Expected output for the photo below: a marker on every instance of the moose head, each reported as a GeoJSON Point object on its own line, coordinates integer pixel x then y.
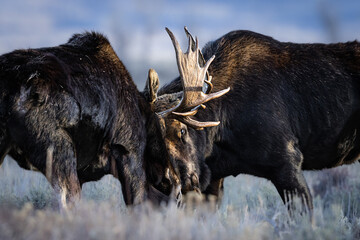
{"type": "Point", "coordinates": [183, 134]}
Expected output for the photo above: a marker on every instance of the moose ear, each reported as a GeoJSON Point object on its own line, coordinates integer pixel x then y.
{"type": "Point", "coordinates": [151, 86]}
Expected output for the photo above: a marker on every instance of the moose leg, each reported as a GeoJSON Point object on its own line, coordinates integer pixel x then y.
{"type": "Point", "coordinates": [53, 155]}
{"type": "Point", "coordinates": [288, 178]}
{"type": "Point", "coordinates": [131, 174]}
{"type": "Point", "coordinates": [215, 189]}
{"type": "Point", "coordinates": [290, 182]}
{"type": "Point", "coordinates": [61, 173]}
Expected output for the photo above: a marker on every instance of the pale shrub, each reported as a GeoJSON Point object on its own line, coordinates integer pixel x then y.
{"type": "Point", "coordinates": [251, 209]}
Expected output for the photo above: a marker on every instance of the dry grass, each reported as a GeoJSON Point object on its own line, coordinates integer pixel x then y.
{"type": "Point", "coordinates": [251, 209]}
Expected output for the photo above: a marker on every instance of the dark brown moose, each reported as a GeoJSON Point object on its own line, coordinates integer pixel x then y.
{"type": "Point", "coordinates": [291, 107]}
{"type": "Point", "coordinates": [73, 113]}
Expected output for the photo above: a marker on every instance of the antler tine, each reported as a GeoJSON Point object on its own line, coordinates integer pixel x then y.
{"type": "Point", "coordinates": [207, 64]}
{"type": "Point", "coordinates": [188, 34]}
{"type": "Point", "coordinates": [196, 124]}
{"type": "Point", "coordinates": [174, 41]}
{"type": "Point", "coordinates": [192, 44]}
{"type": "Point", "coordinates": [197, 50]}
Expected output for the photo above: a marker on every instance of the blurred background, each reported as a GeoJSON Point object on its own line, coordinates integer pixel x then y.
{"type": "Point", "coordinates": [136, 28]}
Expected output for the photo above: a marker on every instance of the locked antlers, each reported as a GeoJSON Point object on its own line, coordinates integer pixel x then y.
{"type": "Point", "coordinates": [193, 78]}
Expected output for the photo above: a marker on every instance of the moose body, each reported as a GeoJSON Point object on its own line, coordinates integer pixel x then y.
{"type": "Point", "coordinates": [74, 113]}
{"type": "Point", "coordinates": [291, 107]}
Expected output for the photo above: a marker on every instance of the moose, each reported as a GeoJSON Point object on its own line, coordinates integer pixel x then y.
{"type": "Point", "coordinates": [291, 107]}
{"type": "Point", "coordinates": [73, 113]}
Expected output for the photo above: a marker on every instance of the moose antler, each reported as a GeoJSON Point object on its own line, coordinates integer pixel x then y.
{"type": "Point", "coordinates": [192, 77]}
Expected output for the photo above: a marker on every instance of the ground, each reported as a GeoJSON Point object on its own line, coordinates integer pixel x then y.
{"type": "Point", "coordinates": [251, 209]}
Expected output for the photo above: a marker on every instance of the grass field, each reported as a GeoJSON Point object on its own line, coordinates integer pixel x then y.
{"type": "Point", "coordinates": [251, 209]}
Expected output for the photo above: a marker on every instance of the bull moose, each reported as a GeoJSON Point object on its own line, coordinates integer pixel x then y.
{"type": "Point", "coordinates": [291, 107]}
{"type": "Point", "coordinates": [73, 113]}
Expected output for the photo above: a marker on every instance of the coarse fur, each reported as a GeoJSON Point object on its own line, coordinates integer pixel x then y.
{"type": "Point", "coordinates": [291, 107]}
{"type": "Point", "coordinates": [74, 113]}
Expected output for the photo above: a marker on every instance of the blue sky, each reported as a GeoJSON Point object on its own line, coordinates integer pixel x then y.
{"type": "Point", "coordinates": [136, 28]}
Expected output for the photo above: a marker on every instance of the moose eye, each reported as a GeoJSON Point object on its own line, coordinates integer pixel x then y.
{"type": "Point", "coordinates": [182, 132]}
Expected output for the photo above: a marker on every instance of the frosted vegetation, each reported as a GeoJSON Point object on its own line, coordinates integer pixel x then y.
{"type": "Point", "coordinates": [251, 209]}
